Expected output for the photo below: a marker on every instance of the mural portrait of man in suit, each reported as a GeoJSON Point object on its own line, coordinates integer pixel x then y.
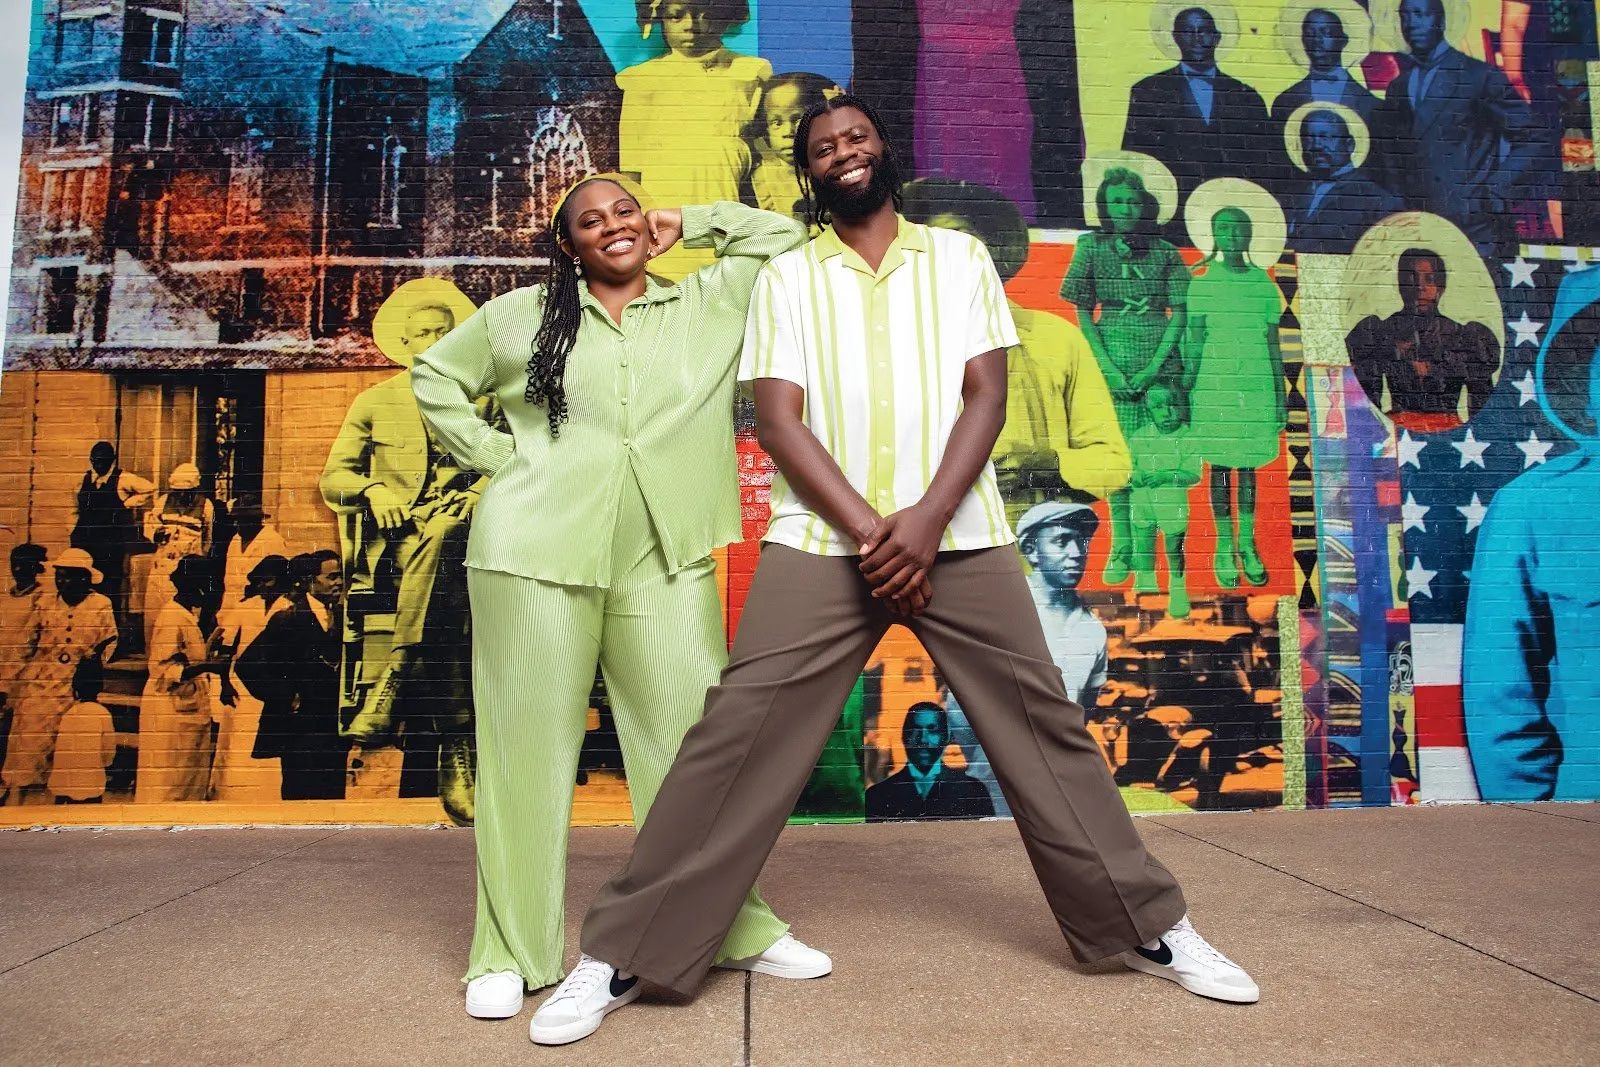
{"type": "Point", "coordinates": [1332, 200]}
{"type": "Point", "coordinates": [1199, 121]}
{"type": "Point", "coordinates": [1324, 39]}
{"type": "Point", "coordinates": [1452, 137]}
{"type": "Point", "coordinates": [925, 788]}
{"type": "Point", "coordinates": [293, 669]}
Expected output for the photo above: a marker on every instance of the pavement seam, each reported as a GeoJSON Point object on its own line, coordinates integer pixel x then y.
{"type": "Point", "coordinates": [1384, 911]}
{"type": "Point", "coordinates": [1552, 814]}
{"type": "Point", "coordinates": [164, 903]}
{"type": "Point", "coordinates": [749, 979]}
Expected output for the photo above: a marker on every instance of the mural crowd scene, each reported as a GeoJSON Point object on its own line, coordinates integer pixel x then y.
{"type": "Point", "coordinates": [1298, 429]}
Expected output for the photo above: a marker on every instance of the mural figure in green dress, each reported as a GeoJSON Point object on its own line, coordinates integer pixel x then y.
{"type": "Point", "coordinates": [1165, 467]}
{"type": "Point", "coordinates": [1233, 373]}
{"type": "Point", "coordinates": [1130, 288]}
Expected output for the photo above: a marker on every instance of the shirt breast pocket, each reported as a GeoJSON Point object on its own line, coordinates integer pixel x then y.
{"type": "Point", "coordinates": [389, 440]}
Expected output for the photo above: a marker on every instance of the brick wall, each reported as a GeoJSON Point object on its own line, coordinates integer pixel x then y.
{"type": "Point", "coordinates": [1367, 470]}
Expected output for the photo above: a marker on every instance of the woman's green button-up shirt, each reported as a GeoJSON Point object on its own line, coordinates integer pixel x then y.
{"type": "Point", "coordinates": [653, 396]}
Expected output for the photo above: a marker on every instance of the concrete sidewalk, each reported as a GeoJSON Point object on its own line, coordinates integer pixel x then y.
{"type": "Point", "coordinates": [1432, 935]}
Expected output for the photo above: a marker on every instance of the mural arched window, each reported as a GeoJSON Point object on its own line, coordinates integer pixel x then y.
{"type": "Point", "coordinates": [557, 157]}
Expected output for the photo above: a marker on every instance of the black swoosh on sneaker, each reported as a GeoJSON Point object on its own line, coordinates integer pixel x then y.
{"type": "Point", "coordinates": [620, 985]}
{"type": "Point", "coordinates": [1161, 955]}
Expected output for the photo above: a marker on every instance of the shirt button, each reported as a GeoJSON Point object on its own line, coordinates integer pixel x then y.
{"type": "Point", "coordinates": [883, 403]}
{"type": "Point", "coordinates": [624, 363]}
{"type": "Point", "coordinates": [626, 443]}
{"type": "Point", "coordinates": [884, 449]}
{"type": "Point", "coordinates": [624, 401]}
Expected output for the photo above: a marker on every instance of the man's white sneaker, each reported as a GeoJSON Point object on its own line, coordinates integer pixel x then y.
{"type": "Point", "coordinates": [581, 1002]}
{"type": "Point", "coordinates": [1181, 955]}
{"type": "Point", "coordinates": [495, 996]}
{"type": "Point", "coordinates": [787, 958]}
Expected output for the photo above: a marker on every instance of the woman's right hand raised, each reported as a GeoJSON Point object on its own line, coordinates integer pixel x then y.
{"type": "Point", "coordinates": [666, 229]}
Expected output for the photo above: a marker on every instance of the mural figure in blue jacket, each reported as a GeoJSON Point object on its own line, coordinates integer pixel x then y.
{"type": "Point", "coordinates": [1531, 650]}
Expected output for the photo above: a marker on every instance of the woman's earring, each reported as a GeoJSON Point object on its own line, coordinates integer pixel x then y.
{"type": "Point", "coordinates": [577, 266]}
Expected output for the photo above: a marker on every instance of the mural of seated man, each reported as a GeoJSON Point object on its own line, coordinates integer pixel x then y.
{"type": "Point", "coordinates": [1422, 361]}
{"type": "Point", "coordinates": [414, 504]}
{"type": "Point", "coordinates": [925, 788]}
{"type": "Point", "coordinates": [1331, 200]}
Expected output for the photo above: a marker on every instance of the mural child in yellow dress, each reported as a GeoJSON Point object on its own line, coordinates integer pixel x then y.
{"type": "Point", "coordinates": [710, 93]}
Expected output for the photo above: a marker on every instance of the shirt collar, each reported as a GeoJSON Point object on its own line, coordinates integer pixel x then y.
{"type": "Point", "coordinates": [656, 291]}
{"type": "Point", "coordinates": [910, 237]}
{"type": "Point", "coordinates": [1196, 72]}
{"type": "Point", "coordinates": [924, 782]}
{"type": "Point", "coordinates": [1337, 74]}
{"type": "Point", "coordinates": [1432, 58]}
{"type": "Point", "coordinates": [1344, 172]}
{"type": "Point", "coordinates": [320, 610]}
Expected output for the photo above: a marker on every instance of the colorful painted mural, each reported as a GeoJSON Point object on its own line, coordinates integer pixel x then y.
{"type": "Point", "coordinates": [1298, 432]}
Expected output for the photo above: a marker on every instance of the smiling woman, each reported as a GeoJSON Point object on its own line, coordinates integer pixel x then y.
{"type": "Point", "coordinates": [592, 540]}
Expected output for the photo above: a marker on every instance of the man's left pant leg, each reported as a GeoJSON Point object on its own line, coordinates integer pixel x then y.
{"type": "Point", "coordinates": [419, 557]}
{"type": "Point", "coordinates": [1107, 893]}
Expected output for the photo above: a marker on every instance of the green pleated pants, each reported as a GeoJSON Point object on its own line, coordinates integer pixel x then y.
{"type": "Point", "coordinates": [659, 641]}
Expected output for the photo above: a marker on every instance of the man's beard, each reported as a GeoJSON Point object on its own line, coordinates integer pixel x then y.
{"type": "Point", "coordinates": [846, 204]}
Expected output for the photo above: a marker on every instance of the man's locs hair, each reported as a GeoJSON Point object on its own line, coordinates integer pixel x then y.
{"type": "Point", "coordinates": [558, 325]}
{"type": "Point", "coordinates": [888, 167]}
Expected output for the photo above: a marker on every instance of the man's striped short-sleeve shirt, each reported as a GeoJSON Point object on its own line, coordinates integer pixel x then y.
{"type": "Point", "coordinates": [881, 356]}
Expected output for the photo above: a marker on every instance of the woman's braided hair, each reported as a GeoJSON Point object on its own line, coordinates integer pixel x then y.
{"type": "Point", "coordinates": [558, 326]}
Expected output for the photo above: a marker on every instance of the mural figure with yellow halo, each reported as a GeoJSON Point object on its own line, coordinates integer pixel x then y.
{"type": "Point", "coordinates": [1130, 289]}
{"type": "Point", "coordinates": [1233, 367]}
{"type": "Point", "coordinates": [1330, 34]}
{"type": "Point", "coordinates": [1333, 200]}
{"type": "Point", "coordinates": [1424, 324]}
{"type": "Point", "coordinates": [405, 505]}
{"type": "Point", "coordinates": [1194, 117]}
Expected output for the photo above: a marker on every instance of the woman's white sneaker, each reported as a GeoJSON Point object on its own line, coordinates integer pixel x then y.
{"type": "Point", "coordinates": [787, 958]}
{"type": "Point", "coordinates": [495, 996]}
{"type": "Point", "coordinates": [581, 1002]}
{"type": "Point", "coordinates": [1181, 955]}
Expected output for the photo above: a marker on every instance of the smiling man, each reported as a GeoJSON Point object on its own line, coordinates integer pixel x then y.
{"type": "Point", "coordinates": [877, 353]}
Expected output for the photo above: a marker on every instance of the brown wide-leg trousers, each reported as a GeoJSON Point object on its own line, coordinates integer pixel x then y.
{"type": "Point", "coordinates": [808, 626]}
